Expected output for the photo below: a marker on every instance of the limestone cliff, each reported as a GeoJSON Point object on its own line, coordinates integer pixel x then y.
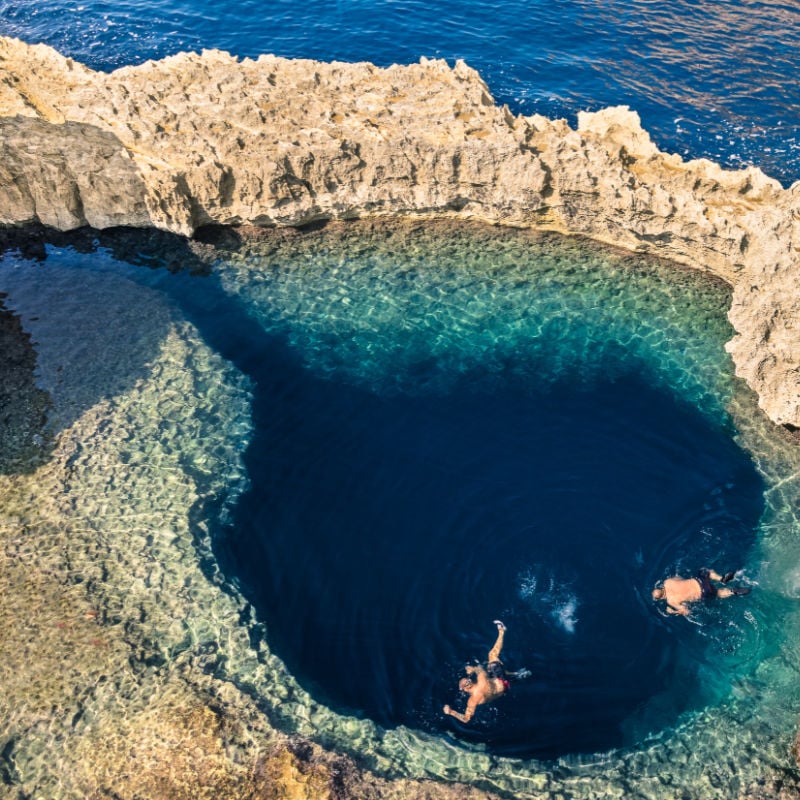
{"type": "Point", "coordinates": [199, 139]}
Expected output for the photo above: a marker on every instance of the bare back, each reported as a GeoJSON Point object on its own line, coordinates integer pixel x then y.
{"type": "Point", "coordinates": [487, 689]}
{"type": "Point", "coordinates": [678, 592]}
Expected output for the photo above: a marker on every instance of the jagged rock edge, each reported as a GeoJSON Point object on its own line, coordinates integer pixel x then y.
{"type": "Point", "coordinates": [198, 139]}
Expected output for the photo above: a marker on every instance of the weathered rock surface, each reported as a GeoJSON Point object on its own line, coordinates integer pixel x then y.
{"type": "Point", "coordinates": [199, 139]}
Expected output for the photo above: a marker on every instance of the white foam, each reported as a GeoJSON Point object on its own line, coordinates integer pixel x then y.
{"type": "Point", "coordinates": [556, 603]}
{"type": "Point", "coordinates": [565, 615]}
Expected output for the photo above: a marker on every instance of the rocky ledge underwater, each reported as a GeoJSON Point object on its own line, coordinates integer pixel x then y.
{"type": "Point", "coordinates": [134, 667]}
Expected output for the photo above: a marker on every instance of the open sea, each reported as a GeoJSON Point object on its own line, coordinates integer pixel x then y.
{"type": "Point", "coordinates": [408, 431]}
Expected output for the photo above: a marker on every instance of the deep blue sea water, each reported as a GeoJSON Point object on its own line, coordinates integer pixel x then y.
{"type": "Point", "coordinates": [716, 79]}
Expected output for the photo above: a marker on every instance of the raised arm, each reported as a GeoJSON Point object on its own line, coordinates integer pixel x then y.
{"type": "Point", "coordinates": [469, 711]}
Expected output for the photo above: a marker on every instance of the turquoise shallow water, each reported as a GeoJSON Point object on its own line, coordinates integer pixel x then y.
{"type": "Point", "coordinates": [408, 311]}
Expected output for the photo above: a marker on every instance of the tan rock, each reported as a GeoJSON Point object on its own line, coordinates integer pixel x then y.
{"type": "Point", "coordinates": [204, 138]}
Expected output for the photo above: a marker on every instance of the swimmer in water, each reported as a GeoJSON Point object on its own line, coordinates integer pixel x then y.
{"type": "Point", "coordinates": [679, 592]}
{"type": "Point", "coordinates": [484, 685]}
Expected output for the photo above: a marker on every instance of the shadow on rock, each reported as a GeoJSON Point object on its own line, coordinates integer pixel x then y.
{"type": "Point", "coordinates": [71, 338]}
{"type": "Point", "coordinates": [23, 406]}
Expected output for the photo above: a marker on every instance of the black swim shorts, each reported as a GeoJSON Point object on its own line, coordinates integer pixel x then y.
{"type": "Point", "coordinates": [495, 669]}
{"type": "Point", "coordinates": [707, 589]}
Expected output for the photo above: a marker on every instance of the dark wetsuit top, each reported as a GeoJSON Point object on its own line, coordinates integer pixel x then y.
{"type": "Point", "coordinates": [707, 589]}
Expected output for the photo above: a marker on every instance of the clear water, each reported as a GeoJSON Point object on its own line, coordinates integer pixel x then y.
{"type": "Point", "coordinates": [453, 440]}
{"type": "Point", "coordinates": [714, 79]}
{"type": "Point", "coordinates": [385, 436]}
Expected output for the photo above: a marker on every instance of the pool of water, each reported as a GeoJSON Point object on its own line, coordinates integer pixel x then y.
{"type": "Point", "coordinates": [382, 535]}
{"type": "Point", "coordinates": [397, 433]}
{"type": "Point", "coordinates": [432, 474]}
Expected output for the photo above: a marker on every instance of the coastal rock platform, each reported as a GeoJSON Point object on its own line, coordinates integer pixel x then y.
{"type": "Point", "coordinates": [199, 139]}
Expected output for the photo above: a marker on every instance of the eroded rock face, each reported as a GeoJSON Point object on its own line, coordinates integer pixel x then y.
{"type": "Point", "coordinates": [198, 139]}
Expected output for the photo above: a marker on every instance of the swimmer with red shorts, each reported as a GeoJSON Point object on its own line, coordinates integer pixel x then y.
{"type": "Point", "coordinates": [486, 684]}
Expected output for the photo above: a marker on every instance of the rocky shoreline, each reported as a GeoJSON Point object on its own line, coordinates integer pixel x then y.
{"type": "Point", "coordinates": [199, 139]}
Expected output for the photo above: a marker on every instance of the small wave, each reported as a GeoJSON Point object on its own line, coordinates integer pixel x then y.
{"type": "Point", "coordinates": [550, 598]}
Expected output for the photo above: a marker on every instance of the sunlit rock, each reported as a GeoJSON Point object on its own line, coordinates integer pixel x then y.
{"type": "Point", "coordinates": [199, 139]}
{"type": "Point", "coordinates": [204, 138]}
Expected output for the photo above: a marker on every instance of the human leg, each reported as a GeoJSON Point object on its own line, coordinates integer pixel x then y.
{"type": "Point", "coordinates": [494, 653]}
{"type": "Point", "coordinates": [715, 576]}
{"type": "Point", "coordinates": [734, 590]}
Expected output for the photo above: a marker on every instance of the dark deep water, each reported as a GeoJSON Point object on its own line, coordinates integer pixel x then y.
{"type": "Point", "coordinates": [410, 523]}
{"type": "Point", "coordinates": [450, 429]}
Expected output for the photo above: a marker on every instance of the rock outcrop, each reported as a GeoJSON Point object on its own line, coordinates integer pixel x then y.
{"type": "Point", "coordinates": [200, 139]}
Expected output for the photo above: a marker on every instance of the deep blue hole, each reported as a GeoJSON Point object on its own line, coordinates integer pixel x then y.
{"type": "Point", "coordinates": [382, 535]}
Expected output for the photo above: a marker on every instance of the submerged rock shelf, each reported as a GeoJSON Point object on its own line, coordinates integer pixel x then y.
{"type": "Point", "coordinates": [199, 139]}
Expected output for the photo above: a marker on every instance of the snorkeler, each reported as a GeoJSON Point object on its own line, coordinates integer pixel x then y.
{"type": "Point", "coordinates": [679, 592]}
{"type": "Point", "coordinates": [484, 685]}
